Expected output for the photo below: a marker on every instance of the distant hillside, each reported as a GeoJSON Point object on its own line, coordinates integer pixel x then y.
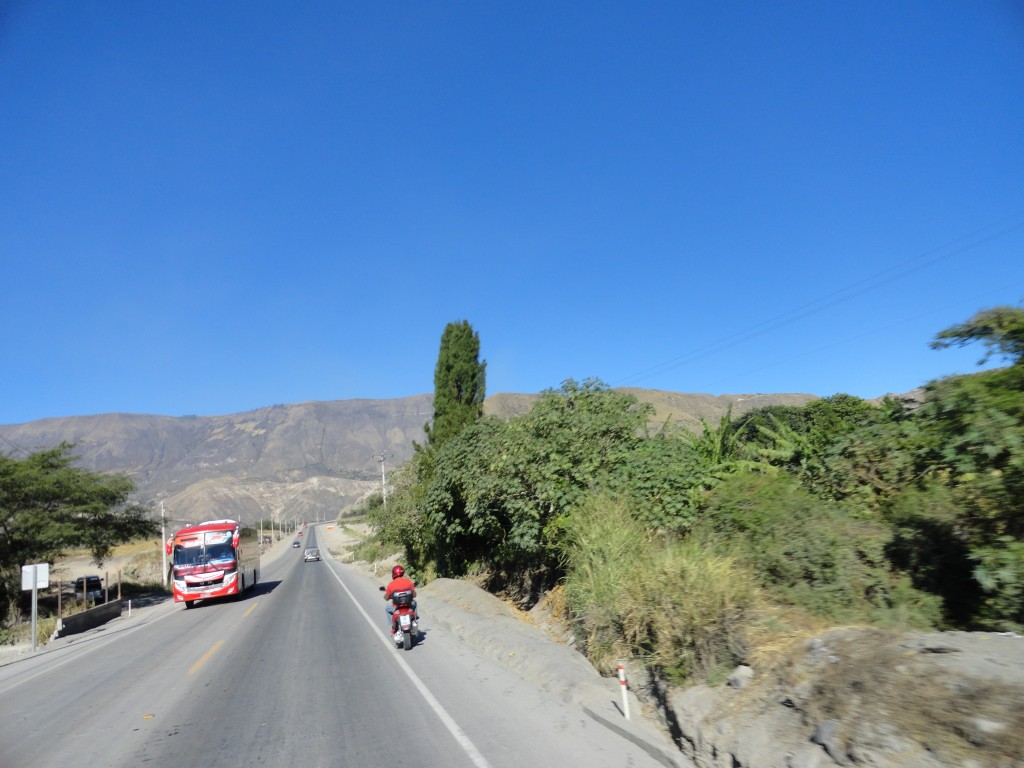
{"type": "Point", "coordinates": [669, 407]}
{"type": "Point", "coordinates": [298, 461]}
{"type": "Point", "coordinates": [285, 461]}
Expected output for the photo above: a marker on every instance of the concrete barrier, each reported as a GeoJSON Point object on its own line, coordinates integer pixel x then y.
{"type": "Point", "coordinates": [90, 618]}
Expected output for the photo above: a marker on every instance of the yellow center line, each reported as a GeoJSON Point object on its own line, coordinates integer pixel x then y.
{"type": "Point", "coordinates": [205, 658]}
{"type": "Point", "coordinates": [251, 609]}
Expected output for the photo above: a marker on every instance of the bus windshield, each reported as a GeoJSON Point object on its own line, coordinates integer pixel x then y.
{"type": "Point", "coordinates": [219, 552]}
{"type": "Point", "coordinates": [215, 547]}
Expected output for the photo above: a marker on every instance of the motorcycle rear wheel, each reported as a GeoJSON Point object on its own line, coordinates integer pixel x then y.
{"type": "Point", "coordinates": [407, 640]}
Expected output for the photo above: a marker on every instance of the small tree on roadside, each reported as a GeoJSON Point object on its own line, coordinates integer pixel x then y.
{"type": "Point", "coordinates": [48, 506]}
{"type": "Point", "coordinates": [459, 383]}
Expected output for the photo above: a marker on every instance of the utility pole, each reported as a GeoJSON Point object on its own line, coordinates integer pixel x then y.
{"type": "Point", "coordinates": [383, 477]}
{"type": "Point", "coordinates": [163, 545]}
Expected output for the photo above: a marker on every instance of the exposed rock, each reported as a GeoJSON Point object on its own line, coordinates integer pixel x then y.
{"type": "Point", "coordinates": [740, 677]}
{"type": "Point", "coordinates": [862, 697]}
{"type": "Point", "coordinates": [826, 735]}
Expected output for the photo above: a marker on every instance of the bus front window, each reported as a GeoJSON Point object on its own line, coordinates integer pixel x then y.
{"type": "Point", "coordinates": [220, 552]}
{"type": "Point", "coordinates": [187, 555]}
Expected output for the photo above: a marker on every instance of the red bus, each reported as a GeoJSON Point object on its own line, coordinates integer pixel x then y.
{"type": "Point", "coordinates": [218, 558]}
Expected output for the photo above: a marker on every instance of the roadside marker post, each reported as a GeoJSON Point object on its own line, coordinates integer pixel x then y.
{"type": "Point", "coordinates": [625, 691]}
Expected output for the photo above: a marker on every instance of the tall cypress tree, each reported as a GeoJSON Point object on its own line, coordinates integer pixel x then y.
{"type": "Point", "coordinates": [459, 380]}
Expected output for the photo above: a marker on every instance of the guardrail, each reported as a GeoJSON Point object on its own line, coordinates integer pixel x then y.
{"type": "Point", "coordinates": [89, 619]}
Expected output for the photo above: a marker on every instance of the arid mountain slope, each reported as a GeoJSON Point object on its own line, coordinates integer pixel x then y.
{"type": "Point", "coordinates": [286, 461]}
{"type": "Point", "coordinates": [291, 462]}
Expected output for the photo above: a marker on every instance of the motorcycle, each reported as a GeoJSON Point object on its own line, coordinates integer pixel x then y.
{"type": "Point", "coordinates": [405, 628]}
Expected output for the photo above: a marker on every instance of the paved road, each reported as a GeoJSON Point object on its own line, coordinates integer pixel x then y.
{"type": "Point", "coordinates": [298, 672]}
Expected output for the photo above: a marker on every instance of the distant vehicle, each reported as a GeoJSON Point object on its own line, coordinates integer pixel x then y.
{"type": "Point", "coordinates": [311, 553]}
{"type": "Point", "coordinates": [295, 545]}
{"type": "Point", "coordinates": [89, 588]}
{"type": "Point", "coordinates": [300, 533]}
{"type": "Point", "coordinates": [218, 558]}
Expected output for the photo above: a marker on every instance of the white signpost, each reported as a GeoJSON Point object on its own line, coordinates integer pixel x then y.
{"type": "Point", "coordinates": [35, 577]}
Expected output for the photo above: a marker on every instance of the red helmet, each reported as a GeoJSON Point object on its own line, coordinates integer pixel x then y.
{"type": "Point", "coordinates": [397, 571]}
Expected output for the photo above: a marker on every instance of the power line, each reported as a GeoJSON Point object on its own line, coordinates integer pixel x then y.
{"type": "Point", "coordinates": [898, 271]}
{"type": "Point", "coordinates": [837, 343]}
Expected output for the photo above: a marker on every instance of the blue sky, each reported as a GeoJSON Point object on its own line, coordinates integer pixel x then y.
{"type": "Point", "coordinates": [207, 208]}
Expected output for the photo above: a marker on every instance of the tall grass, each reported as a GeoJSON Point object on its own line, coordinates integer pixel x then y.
{"type": "Point", "coordinates": [669, 602]}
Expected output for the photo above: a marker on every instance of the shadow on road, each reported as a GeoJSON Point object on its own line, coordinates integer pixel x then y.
{"type": "Point", "coordinates": [259, 590]}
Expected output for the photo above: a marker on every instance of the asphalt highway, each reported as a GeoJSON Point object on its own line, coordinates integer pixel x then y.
{"type": "Point", "coordinates": [298, 672]}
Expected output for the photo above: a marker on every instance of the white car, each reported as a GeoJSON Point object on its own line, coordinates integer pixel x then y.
{"type": "Point", "coordinates": [311, 553]}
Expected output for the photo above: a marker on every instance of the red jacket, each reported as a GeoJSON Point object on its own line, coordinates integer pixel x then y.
{"type": "Point", "coordinates": [401, 584]}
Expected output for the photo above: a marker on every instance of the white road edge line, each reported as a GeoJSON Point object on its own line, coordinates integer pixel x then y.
{"type": "Point", "coordinates": [460, 736]}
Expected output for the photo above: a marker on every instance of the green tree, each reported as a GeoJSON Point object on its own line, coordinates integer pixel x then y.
{"type": "Point", "coordinates": [800, 440]}
{"type": "Point", "coordinates": [499, 490]}
{"type": "Point", "coordinates": [48, 506]}
{"type": "Point", "coordinates": [1000, 329]}
{"type": "Point", "coordinates": [459, 383]}
{"type": "Point", "coordinates": [979, 421]}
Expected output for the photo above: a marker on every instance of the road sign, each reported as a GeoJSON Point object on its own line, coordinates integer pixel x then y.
{"type": "Point", "coordinates": [33, 578]}
{"type": "Point", "coordinates": [42, 576]}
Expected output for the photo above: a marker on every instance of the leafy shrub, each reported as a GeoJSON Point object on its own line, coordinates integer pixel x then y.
{"type": "Point", "coordinates": [400, 524]}
{"type": "Point", "coordinates": [809, 552]}
{"type": "Point", "coordinates": [1000, 572]}
{"type": "Point", "coordinates": [662, 478]}
{"type": "Point", "coordinates": [929, 545]}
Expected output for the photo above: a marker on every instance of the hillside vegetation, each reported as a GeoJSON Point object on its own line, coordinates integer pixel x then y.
{"type": "Point", "coordinates": [689, 549]}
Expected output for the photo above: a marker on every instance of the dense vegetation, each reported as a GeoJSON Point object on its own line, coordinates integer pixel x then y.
{"type": "Point", "coordinates": [679, 548]}
{"type": "Point", "coordinates": [48, 506]}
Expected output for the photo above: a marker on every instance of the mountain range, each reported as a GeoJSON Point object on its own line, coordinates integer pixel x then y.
{"type": "Point", "coordinates": [305, 461]}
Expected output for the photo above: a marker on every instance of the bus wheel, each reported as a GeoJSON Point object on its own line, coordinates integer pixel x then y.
{"type": "Point", "coordinates": [190, 604]}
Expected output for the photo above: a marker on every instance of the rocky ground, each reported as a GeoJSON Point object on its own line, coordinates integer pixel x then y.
{"type": "Point", "coordinates": [854, 697]}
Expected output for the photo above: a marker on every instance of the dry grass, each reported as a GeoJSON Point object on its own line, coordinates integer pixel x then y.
{"type": "Point", "coordinates": [688, 608]}
{"type": "Point", "coordinates": [868, 683]}
{"type": "Point", "coordinates": [121, 551]}
{"type": "Point", "coordinates": [774, 630]}
{"type": "Point", "coordinates": [674, 604]}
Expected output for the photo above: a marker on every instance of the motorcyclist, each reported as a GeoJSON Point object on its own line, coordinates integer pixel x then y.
{"type": "Point", "coordinates": [399, 583]}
